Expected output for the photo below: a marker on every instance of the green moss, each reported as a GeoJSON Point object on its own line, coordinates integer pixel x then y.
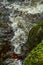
{"type": "Point", "coordinates": [36, 56]}
{"type": "Point", "coordinates": [35, 34]}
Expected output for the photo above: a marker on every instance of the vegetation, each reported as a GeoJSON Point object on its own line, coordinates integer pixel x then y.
{"type": "Point", "coordinates": [36, 56]}
{"type": "Point", "coordinates": [35, 35]}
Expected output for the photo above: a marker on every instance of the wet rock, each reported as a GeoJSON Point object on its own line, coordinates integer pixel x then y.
{"type": "Point", "coordinates": [6, 34]}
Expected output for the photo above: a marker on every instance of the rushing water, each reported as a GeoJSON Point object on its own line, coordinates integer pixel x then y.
{"type": "Point", "coordinates": [20, 36]}
{"type": "Point", "coordinates": [28, 9]}
{"type": "Point", "coordinates": [20, 33]}
{"type": "Point", "coordinates": [5, 2]}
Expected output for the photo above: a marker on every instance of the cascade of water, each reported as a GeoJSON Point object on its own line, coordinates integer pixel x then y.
{"type": "Point", "coordinates": [19, 34]}
{"type": "Point", "coordinates": [26, 1]}
{"type": "Point", "coordinates": [12, 14]}
{"type": "Point", "coordinates": [4, 2]}
{"type": "Point", "coordinates": [30, 2]}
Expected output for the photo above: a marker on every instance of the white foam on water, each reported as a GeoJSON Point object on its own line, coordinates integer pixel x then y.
{"type": "Point", "coordinates": [19, 34]}
{"type": "Point", "coordinates": [31, 10]}
{"type": "Point", "coordinates": [5, 2]}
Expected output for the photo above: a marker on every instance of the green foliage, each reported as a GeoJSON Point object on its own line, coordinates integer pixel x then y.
{"type": "Point", "coordinates": [36, 56]}
{"type": "Point", "coordinates": [35, 35]}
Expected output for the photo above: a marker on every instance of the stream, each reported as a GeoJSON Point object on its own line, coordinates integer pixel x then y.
{"type": "Point", "coordinates": [20, 27]}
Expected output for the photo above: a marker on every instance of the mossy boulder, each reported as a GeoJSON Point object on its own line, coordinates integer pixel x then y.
{"type": "Point", "coordinates": [35, 35]}
{"type": "Point", "coordinates": [36, 56]}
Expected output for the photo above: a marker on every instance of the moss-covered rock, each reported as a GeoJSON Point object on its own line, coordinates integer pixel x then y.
{"type": "Point", "coordinates": [36, 56]}
{"type": "Point", "coordinates": [34, 38]}
{"type": "Point", "coordinates": [35, 35]}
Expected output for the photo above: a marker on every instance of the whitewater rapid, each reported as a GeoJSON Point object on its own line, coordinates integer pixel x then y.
{"type": "Point", "coordinates": [27, 9]}
{"type": "Point", "coordinates": [20, 36]}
